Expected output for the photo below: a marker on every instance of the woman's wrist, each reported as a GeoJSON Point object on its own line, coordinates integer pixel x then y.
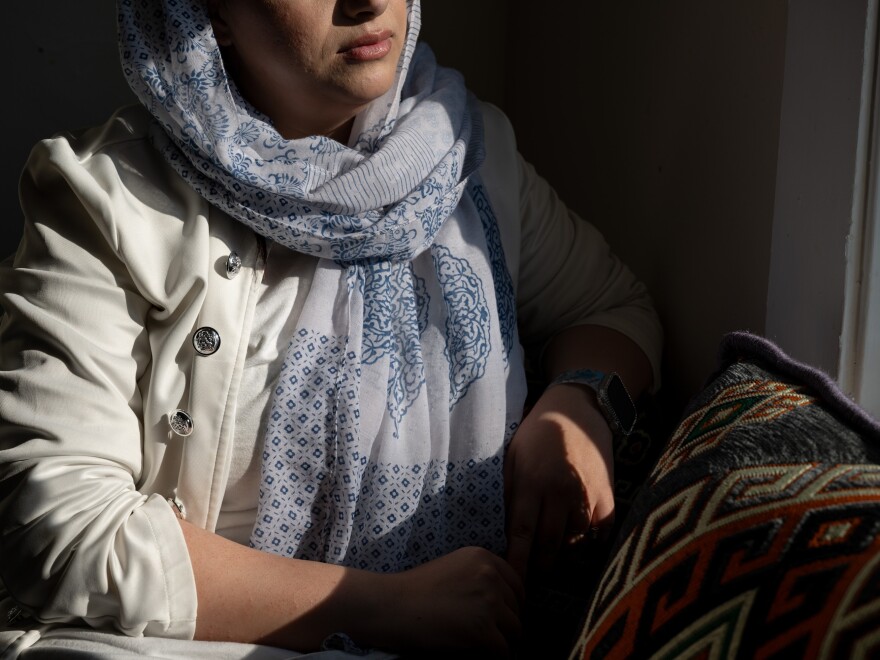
{"type": "Point", "coordinates": [377, 595]}
{"type": "Point", "coordinates": [359, 609]}
{"type": "Point", "coordinates": [577, 404]}
{"type": "Point", "coordinates": [387, 593]}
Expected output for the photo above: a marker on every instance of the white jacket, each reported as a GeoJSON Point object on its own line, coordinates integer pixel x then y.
{"type": "Point", "coordinates": [120, 263]}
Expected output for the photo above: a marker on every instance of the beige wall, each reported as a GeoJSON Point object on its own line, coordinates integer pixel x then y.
{"type": "Point", "coordinates": [659, 121]}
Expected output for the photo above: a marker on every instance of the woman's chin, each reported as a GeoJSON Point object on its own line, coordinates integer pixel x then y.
{"type": "Point", "coordinates": [359, 93]}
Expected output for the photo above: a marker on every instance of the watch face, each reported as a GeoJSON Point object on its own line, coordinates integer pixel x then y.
{"type": "Point", "coordinates": [614, 396]}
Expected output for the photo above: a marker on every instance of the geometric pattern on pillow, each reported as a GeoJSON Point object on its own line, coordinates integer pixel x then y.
{"type": "Point", "coordinates": [791, 550]}
{"type": "Point", "coordinates": [749, 402]}
{"type": "Point", "coordinates": [757, 534]}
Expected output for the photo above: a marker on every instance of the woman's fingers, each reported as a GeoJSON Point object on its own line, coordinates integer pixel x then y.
{"type": "Point", "coordinates": [579, 526]}
{"type": "Point", "coordinates": [602, 520]}
{"type": "Point", "coordinates": [507, 618]}
{"type": "Point", "coordinates": [522, 522]}
{"type": "Point", "coordinates": [516, 591]}
{"type": "Point", "coordinates": [541, 519]}
{"type": "Point", "coordinates": [552, 527]}
{"type": "Point", "coordinates": [510, 627]}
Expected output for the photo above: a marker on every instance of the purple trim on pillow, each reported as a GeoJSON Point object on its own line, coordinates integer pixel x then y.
{"type": "Point", "coordinates": [738, 345]}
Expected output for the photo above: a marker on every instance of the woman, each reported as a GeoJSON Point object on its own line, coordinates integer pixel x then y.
{"type": "Point", "coordinates": [262, 367]}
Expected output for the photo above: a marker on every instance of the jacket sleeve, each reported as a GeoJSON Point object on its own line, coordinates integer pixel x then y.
{"type": "Point", "coordinates": [569, 276]}
{"type": "Point", "coordinates": [79, 541]}
{"type": "Point", "coordinates": [564, 272]}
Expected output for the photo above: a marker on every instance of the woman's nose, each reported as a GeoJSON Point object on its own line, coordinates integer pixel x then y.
{"type": "Point", "coordinates": [363, 10]}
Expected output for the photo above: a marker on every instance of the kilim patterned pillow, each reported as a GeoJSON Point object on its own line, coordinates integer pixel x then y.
{"type": "Point", "coordinates": [757, 534]}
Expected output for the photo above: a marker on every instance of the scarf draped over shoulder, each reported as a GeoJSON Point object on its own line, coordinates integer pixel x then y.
{"type": "Point", "coordinates": [403, 380]}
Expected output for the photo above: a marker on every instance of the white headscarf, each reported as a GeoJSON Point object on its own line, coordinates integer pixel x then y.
{"type": "Point", "coordinates": [403, 380]}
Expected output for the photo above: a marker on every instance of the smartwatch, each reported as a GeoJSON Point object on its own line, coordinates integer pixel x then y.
{"type": "Point", "coordinates": [615, 403]}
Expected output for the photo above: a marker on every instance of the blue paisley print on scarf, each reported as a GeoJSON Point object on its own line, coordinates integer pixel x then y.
{"type": "Point", "coordinates": [403, 381]}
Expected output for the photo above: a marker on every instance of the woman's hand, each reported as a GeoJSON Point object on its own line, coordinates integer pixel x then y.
{"type": "Point", "coordinates": [469, 599]}
{"type": "Point", "coordinates": [558, 477]}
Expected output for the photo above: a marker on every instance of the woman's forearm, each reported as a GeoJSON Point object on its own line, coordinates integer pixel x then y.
{"type": "Point", "coordinates": [601, 348]}
{"type": "Point", "coordinates": [468, 599]}
{"type": "Point", "coordinates": [245, 595]}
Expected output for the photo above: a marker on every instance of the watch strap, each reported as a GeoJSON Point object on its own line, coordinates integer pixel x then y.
{"type": "Point", "coordinates": [619, 410]}
{"type": "Point", "coordinates": [590, 377]}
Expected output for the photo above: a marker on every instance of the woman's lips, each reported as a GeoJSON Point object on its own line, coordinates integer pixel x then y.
{"type": "Point", "coordinates": [372, 46]}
